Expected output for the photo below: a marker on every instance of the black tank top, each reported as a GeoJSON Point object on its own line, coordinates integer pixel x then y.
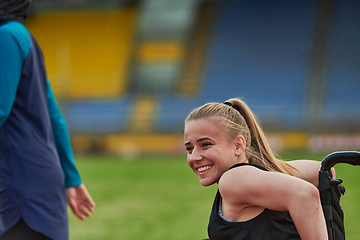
{"type": "Point", "coordinates": [269, 225]}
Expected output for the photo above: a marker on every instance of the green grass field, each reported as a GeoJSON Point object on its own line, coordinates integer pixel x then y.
{"type": "Point", "coordinates": [159, 197]}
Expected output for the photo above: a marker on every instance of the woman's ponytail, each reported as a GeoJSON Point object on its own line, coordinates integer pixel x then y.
{"type": "Point", "coordinates": [259, 152]}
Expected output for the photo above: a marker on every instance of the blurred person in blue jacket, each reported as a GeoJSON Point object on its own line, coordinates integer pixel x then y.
{"type": "Point", "coordinates": [38, 176]}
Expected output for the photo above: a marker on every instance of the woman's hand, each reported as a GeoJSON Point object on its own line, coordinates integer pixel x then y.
{"type": "Point", "coordinates": [79, 200]}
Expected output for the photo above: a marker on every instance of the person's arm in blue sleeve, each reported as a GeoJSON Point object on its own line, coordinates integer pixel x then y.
{"type": "Point", "coordinates": [77, 195]}
{"type": "Point", "coordinates": [14, 49]}
{"type": "Point", "coordinates": [62, 141]}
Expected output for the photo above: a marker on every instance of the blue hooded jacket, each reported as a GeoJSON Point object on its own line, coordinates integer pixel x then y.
{"type": "Point", "coordinates": [36, 159]}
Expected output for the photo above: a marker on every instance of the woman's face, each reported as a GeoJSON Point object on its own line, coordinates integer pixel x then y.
{"type": "Point", "coordinates": [209, 151]}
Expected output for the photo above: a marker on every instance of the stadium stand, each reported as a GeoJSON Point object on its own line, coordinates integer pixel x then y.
{"type": "Point", "coordinates": [342, 99]}
{"type": "Point", "coordinates": [259, 51]}
{"type": "Point", "coordinates": [87, 63]}
{"type": "Point", "coordinates": [265, 52]}
{"type": "Point", "coordinates": [172, 112]}
{"type": "Point", "coordinates": [86, 52]}
{"type": "Point", "coordinates": [95, 116]}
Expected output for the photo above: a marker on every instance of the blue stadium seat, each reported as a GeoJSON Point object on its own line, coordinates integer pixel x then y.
{"type": "Point", "coordinates": [342, 96]}
{"type": "Point", "coordinates": [94, 116]}
{"type": "Point", "coordinates": [172, 113]}
{"type": "Point", "coordinates": [258, 51]}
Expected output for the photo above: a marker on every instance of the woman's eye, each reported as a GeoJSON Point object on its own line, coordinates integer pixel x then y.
{"type": "Point", "coordinates": [206, 145]}
{"type": "Point", "coordinates": [189, 149]}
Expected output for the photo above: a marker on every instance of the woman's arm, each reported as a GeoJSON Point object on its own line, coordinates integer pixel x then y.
{"type": "Point", "coordinates": [248, 186]}
{"type": "Point", "coordinates": [77, 195]}
{"type": "Point", "coordinates": [62, 141]}
{"type": "Point", "coordinates": [309, 170]}
{"type": "Point", "coordinates": [14, 49]}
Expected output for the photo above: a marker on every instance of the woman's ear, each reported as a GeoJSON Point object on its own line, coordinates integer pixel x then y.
{"type": "Point", "coordinates": [240, 145]}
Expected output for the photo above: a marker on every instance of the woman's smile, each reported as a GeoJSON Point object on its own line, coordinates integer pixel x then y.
{"type": "Point", "coordinates": [204, 169]}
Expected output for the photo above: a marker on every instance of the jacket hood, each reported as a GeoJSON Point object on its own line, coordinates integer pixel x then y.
{"type": "Point", "coordinates": [14, 10]}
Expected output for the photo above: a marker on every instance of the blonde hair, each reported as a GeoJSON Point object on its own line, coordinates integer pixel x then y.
{"type": "Point", "coordinates": [238, 119]}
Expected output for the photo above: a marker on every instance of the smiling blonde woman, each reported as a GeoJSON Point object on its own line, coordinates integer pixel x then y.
{"type": "Point", "coordinates": [259, 196]}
